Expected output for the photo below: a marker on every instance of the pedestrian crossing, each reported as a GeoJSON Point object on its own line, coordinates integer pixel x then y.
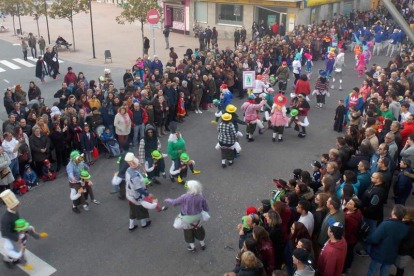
{"type": "Point", "coordinates": [18, 63]}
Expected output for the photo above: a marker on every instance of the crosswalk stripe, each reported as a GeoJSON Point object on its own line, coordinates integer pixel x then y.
{"type": "Point", "coordinates": [40, 267]}
{"type": "Point", "coordinates": [23, 62]}
{"type": "Point", "coordinates": [35, 59]}
{"type": "Point", "coordinates": [2, 70]}
{"type": "Point", "coordinates": [9, 64]}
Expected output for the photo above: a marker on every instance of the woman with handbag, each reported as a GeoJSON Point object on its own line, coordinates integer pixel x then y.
{"type": "Point", "coordinates": [25, 154]}
{"type": "Point", "coordinates": [6, 177]}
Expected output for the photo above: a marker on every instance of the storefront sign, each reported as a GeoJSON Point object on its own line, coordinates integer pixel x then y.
{"type": "Point", "coordinates": [310, 3]}
{"type": "Point", "coordinates": [255, 2]}
{"type": "Point", "coordinates": [178, 25]}
{"type": "Point", "coordinates": [291, 24]}
{"type": "Point", "coordinates": [248, 79]}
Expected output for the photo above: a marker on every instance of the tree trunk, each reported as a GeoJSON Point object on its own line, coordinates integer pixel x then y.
{"type": "Point", "coordinates": [20, 24]}
{"type": "Point", "coordinates": [142, 35]}
{"type": "Point", "coordinates": [14, 26]}
{"type": "Point", "coordinates": [73, 35]}
{"type": "Point", "coordinates": [38, 30]}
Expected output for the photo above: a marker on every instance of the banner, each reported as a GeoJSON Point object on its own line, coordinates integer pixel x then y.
{"type": "Point", "coordinates": [310, 3]}
{"type": "Point", "coordinates": [249, 78]}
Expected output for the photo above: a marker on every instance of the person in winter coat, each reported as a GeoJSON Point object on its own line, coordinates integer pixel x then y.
{"type": "Point", "coordinates": [40, 69]}
{"type": "Point", "coordinates": [25, 48]}
{"type": "Point", "coordinates": [40, 146]}
{"type": "Point", "coordinates": [303, 86]}
{"type": "Point", "coordinates": [250, 115]}
{"type": "Point", "coordinates": [385, 242]}
{"type": "Point", "coordinates": [122, 124]}
{"type": "Point", "coordinates": [34, 92]}
{"type": "Point", "coordinates": [70, 77]}
{"type": "Point", "coordinates": [353, 218]}
{"type": "Point", "coordinates": [161, 110]}
{"type": "Point", "coordinates": [146, 45]}
{"type": "Point", "coordinates": [354, 99]}
{"type": "Point", "coordinates": [331, 261]}
{"type": "Point", "coordinates": [282, 75]}
{"type": "Point", "coordinates": [265, 249]}
{"type": "Point", "coordinates": [156, 64]}
{"type": "Point", "coordinates": [406, 249]}
{"type": "Point", "coordinates": [403, 184]}
{"type": "Point", "coordinates": [107, 114]}
{"type": "Point", "coordinates": [88, 144]}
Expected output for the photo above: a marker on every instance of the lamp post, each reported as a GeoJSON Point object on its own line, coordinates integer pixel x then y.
{"type": "Point", "coordinates": [47, 23]}
{"type": "Point", "coordinates": [93, 40]}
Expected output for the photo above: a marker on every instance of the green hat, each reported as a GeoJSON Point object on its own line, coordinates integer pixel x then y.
{"type": "Point", "coordinates": [101, 78]}
{"type": "Point", "coordinates": [215, 100]}
{"type": "Point", "coordinates": [294, 112]}
{"type": "Point", "coordinates": [21, 225]}
{"type": "Point", "coordinates": [184, 157]}
{"type": "Point", "coordinates": [147, 181]}
{"type": "Point", "coordinates": [272, 79]}
{"type": "Point", "coordinates": [85, 175]}
{"type": "Point", "coordinates": [156, 154]}
{"type": "Point", "coordinates": [74, 154]}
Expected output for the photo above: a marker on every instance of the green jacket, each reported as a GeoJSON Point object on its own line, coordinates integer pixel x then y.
{"type": "Point", "coordinates": [388, 115]}
{"type": "Point", "coordinates": [174, 145]}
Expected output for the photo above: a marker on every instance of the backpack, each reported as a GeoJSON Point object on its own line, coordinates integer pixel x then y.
{"type": "Point", "coordinates": [363, 230]}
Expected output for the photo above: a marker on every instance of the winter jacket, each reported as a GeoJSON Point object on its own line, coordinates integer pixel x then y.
{"type": "Point", "coordinates": [282, 73]}
{"type": "Point", "coordinates": [95, 120]}
{"type": "Point", "coordinates": [70, 77]}
{"type": "Point", "coordinates": [107, 114]}
{"type": "Point", "coordinates": [144, 116]}
{"type": "Point", "coordinates": [323, 235]}
{"type": "Point", "coordinates": [88, 143]}
{"type": "Point", "coordinates": [352, 164]}
{"type": "Point", "coordinates": [403, 184]}
{"type": "Point", "coordinates": [364, 180]}
{"type": "Point", "coordinates": [352, 225]}
{"type": "Point", "coordinates": [267, 256]}
{"type": "Point", "coordinates": [302, 87]}
{"type": "Point", "coordinates": [156, 65]}
{"type": "Point", "coordinates": [407, 131]}
{"type": "Point", "coordinates": [38, 143]}
{"type": "Point", "coordinates": [331, 261]}
{"type": "Point", "coordinates": [307, 271]}
{"type": "Point", "coordinates": [407, 244]}
{"type": "Point", "coordinates": [354, 185]}
{"type": "Point", "coordinates": [386, 240]}
{"type": "Point", "coordinates": [373, 201]}
{"type": "Point", "coordinates": [121, 128]}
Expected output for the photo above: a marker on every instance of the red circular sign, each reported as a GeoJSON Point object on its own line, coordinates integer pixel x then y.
{"type": "Point", "coordinates": [153, 16]}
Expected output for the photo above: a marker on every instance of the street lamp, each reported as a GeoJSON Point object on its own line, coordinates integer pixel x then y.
{"type": "Point", "coordinates": [93, 40]}
{"type": "Point", "coordinates": [47, 23]}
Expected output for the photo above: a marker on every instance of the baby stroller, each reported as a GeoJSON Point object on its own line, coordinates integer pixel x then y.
{"type": "Point", "coordinates": [105, 143]}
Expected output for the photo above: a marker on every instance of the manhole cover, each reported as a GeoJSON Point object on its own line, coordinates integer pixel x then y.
{"type": "Point", "coordinates": [181, 46]}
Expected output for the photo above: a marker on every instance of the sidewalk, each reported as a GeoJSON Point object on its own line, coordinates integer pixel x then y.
{"type": "Point", "coordinates": [124, 41]}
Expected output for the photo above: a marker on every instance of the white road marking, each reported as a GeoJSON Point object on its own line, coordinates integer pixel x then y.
{"type": "Point", "coordinates": [2, 70]}
{"type": "Point", "coordinates": [17, 44]}
{"type": "Point", "coordinates": [25, 63]}
{"type": "Point", "coordinates": [40, 267]}
{"type": "Point", "coordinates": [6, 81]}
{"type": "Point", "coordinates": [9, 64]}
{"type": "Point", "coordinates": [35, 59]}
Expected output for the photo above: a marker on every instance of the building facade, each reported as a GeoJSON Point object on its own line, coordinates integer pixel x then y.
{"type": "Point", "coordinates": [228, 15]}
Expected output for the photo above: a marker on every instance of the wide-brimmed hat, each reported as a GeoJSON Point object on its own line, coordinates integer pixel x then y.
{"type": "Point", "coordinates": [322, 73]}
{"type": "Point", "coordinates": [85, 175]}
{"type": "Point", "coordinates": [21, 225]}
{"type": "Point", "coordinates": [9, 199]}
{"type": "Point", "coordinates": [231, 108]}
{"type": "Point", "coordinates": [279, 99]}
{"type": "Point", "coordinates": [74, 154]}
{"type": "Point", "coordinates": [156, 154]}
{"type": "Point", "coordinates": [294, 112]}
{"type": "Point", "coordinates": [280, 183]}
{"type": "Point", "coordinates": [226, 117]}
{"type": "Point", "coordinates": [184, 157]}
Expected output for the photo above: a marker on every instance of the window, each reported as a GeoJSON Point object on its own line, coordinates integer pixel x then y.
{"type": "Point", "coordinates": [178, 15]}
{"type": "Point", "coordinates": [201, 11]}
{"type": "Point", "coordinates": [229, 14]}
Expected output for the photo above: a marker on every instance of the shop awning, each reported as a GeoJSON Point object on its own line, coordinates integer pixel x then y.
{"type": "Point", "coordinates": [275, 3]}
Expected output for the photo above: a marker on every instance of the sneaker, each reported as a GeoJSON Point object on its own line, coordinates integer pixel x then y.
{"type": "Point", "coordinates": [132, 229]}
{"type": "Point", "coordinates": [223, 166]}
{"type": "Point", "coordinates": [179, 179]}
{"type": "Point", "coordinates": [147, 225]}
{"type": "Point", "coordinates": [196, 172]}
{"type": "Point", "coordinates": [362, 253]}
{"type": "Point", "coordinates": [189, 248]}
{"type": "Point", "coordinates": [214, 122]}
{"type": "Point", "coordinates": [199, 112]}
{"type": "Point", "coordinates": [164, 208]}
{"type": "Point", "coordinates": [250, 140]}
{"type": "Point", "coordinates": [76, 210]}
{"type": "Point", "coordinates": [86, 207]}
{"type": "Point", "coordinates": [164, 175]}
{"type": "Point", "coordinates": [261, 131]}
{"type": "Point", "coordinates": [280, 139]}
{"type": "Point", "coordinates": [230, 163]}
{"type": "Point", "coordinates": [203, 247]}
{"type": "Point", "coordinates": [172, 178]}
{"type": "Point", "coordinates": [96, 202]}
{"type": "Point", "coordinates": [121, 197]}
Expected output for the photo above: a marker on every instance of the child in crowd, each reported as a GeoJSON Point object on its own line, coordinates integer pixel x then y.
{"type": "Point", "coordinates": [30, 177]}
{"type": "Point", "coordinates": [110, 140]}
{"type": "Point", "coordinates": [249, 210]}
{"type": "Point", "coordinates": [181, 108]}
{"type": "Point", "coordinates": [316, 171]}
{"type": "Point", "coordinates": [19, 185]}
{"type": "Point", "coordinates": [280, 190]}
{"type": "Point", "coordinates": [324, 160]}
{"type": "Point", "coordinates": [339, 118]}
{"type": "Point", "coordinates": [48, 171]}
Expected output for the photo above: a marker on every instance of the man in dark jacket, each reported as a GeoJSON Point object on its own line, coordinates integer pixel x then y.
{"type": "Point", "coordinates": [386, 240]}
{"type": "Point", "coordinates": [403, 184]}
{"type": "Point", "coordinates": [123, 166]}
{"type": "Point", "coordinates": [207, 37]}
{"type": "Point", "coordinates": [171, 94]}
{"type": "Point", "coordinates": [63, 95]}
{"type": "Point", "coordinates": [363, 154]}
{"type": "Point", "coordinates": [146, 45]}
{"type": "Point", "coordinates": [166, 33]}
{"type": "Point", "coordinates": [95, 119]}
{"type": "Point", "coordinates": [32, 45]}
{"type": "Point", "coordinates": [47, 57]}
{"type": "Point", "coordinates": [107, 113]}
{"type": "Point", "coordinates": [344, 151]}
{"type": "Point", "coordinates": [19, 111]}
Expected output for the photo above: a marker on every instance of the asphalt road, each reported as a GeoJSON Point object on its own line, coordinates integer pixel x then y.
{"type": "Point", "coordinates": [98, 242]}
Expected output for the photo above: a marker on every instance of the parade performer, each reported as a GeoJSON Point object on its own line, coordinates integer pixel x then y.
{"type": "Point", "coordinates": [308, 65]}
{"type": "Point", "coordinates": [339, 64]}
{"type": "Point", "coordinates": [14, 251]}
{"type": "Point", "coordinates": [155, 165]}
{"type": "Point", "coordinates": [321, 89]}
{"type": "Point", "coordinates": [268, 106]}
{"type": "Point", "coordinates": [194, 211]}
{"type": "Point", "coordinates": [86, 185]}
{"type": "Point", "coordinates": [225, 99]}
{"type": "Point", "coordinates": [10, 216]}
{"type": "Point", "coordinates": [250, 116]}
{"type": "Point", "coordinates": [227, 139]}
{"type": "Point", "coordinates": [180, 170]}
{"type": "Point", "coordinates": [281, 187]}
{"type": "Point", "coordinates": [297, 66]}
{"type": "Point", "coordinates": [329, 61]}
{"type": "Point", "coordinates": [361, 65]}
{"type": "Point", "coordinates": [357, 52]}
{"type": "Point", "coordinates": [282, 76]}
{"type": "Point", "coordinates": [74, 168]}
{"type": "Point", "coordinates": [367, 52]}
{"type": "Point", "coordinates": [299, 115]}
{"type": "Point", "coordinates": [260, 87]}
{"type": "Point", "coordinates": [278, 116]}
{"type": "Point", "coordinates": [231, 109]}
{"type": "Point", "coordinates": [140, 201]}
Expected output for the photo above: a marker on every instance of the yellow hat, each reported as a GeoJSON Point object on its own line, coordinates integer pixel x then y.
{"type": "Point", "coordinates": [9, 199]}
{"type": "Point", "coordinates": [231, 108]}
{"type": "Point", "coordinates": [226, 117]}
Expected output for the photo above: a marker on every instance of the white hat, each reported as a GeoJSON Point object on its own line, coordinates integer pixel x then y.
{"type": "Point", "coordinates": [9, 199]}
{"type": "Point", "coordinates": [130, 157]}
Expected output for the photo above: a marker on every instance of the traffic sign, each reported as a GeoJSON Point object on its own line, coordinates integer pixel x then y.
{"type": "Point", "coordinates": [153, 16]}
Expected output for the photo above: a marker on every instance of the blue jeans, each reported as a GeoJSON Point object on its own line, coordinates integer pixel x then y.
{"type": "Point", "coordinates": [138, 133]}
{"type": "Point", "coordinates": [375, 266]}
{"type": "Point", "coordinates": [14, 166]}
